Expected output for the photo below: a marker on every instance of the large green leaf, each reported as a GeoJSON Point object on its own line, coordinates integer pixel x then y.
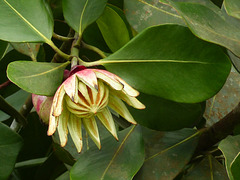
{"type": "Point", "coordinates": [210, 24]}
{"type": "Point", "coordinates": [230, 148]}
{"type": "Point", "coordinates": [3, 48]}
{"type": "Point", "coordinates": [166, 153]}
{"type": "Point", "coordinates": [208, 168]}
{"type": "Point", "coordinates": [81, 13]}
{"type": "Point", "coordinates": [164, 115]}
{"type": "Point", "coordinates": [115, 161]}
{"type": "Point", "coordinates": [113, 29]}
{"type": "Point", "coordinates": [145, 13]}
{"type": "Point", "coordinates": [232, 7]}
{"type": "Point", "coordinates": [25, 20]}
{"type": "Point", "coordinates": [10, 144]}
{"type": "Point", "coordinates": [170, 62]}
{"type": "Point", "coordinates": [35, 77]}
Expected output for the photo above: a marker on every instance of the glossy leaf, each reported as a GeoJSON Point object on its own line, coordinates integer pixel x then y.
{"type": "Point", "coordinates": [81, 13]}
{"type": "Point", "coordinates": [230, 148]}
{"type": "Point", "coordinates": [208, 168]}
{"type": "Point", "coordinates": [210, 24]}
{"type": "Point", "coordinates": [142, 14]}
{"type": "Point", "coordinates": [15, 103]}
{"type": "Point", "coordinates": [165, 115]}
{"type": "Point", "coordinates": [169, 62]}
{"type": "Point", "coordinates": [166, 153]}
{"type": "Point", "coordinates": [10, 145]}
{"type": "Point", "coordinates": [3, 48]}
{"type": "Point", "coordinates": [116, 160]}
{"type": "Point", "coordinates": [25, 21]}
{"type": "Point", "coordinates": [113, 29]}
{"type": "Point", "coordinates": [35, 77]}
{"type": "Point", "coordinates": [235, 167]}
{"type": "Point", "coordinates": [29, 49]}
{"type": "Point", "coordinates": [232, 7]}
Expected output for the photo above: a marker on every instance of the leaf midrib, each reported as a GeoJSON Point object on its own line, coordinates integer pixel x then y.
{"type": "Point", "coordinates": [27, 22]}
{"type": "Point", "coordinates": [116, 153]}
{"type": "Point", "coordinates": [81, 17]}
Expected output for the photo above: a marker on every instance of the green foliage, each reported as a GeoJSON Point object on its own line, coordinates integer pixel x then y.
{"type": "Point", "coordinates": [176, 53]}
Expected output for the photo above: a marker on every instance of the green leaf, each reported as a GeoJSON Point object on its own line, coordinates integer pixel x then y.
{"type": "Point", "coordinates": [170, 62]}
{"type": "Point", "coordinates": [164, 115]}
{"type": "Point", "coordinates": [142, 14]}
{"type": "Point", "coordinates": [116, 160]}
{"type": "Point", "coordinates": [80, 14]}
{"type": "Point", "coordinates": [210, 24]}
{"type": "Point", "coordinates": [113, 29]}
{"type": "Point", "coordinates": [235, 167]}
{"type": "Point", "coordinates": [13, 104]}
{"type": "Point", "coordinates": [232, 7]}
{"type": "Point", "coordinates": [10, 145]}
{"type": "Point", "coordinates": [166, 153]}
{"type": "Point", "coordinates": [208, 168]}
{"type": "Point", "coordinates": [29, 49]}
{"type": "Point", "coordinates": [35, 77]}
{"type": "Point", "coordinates": [3, 48]}
{"type": "Point", "coordinates": [230, 148]}
{"type": "Point", "coordinates": [25, 21]}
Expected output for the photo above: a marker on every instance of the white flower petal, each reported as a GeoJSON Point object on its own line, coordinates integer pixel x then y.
{"type": "Point", "coordinates": [84, 91]}
{"type": "Point", "coordinates": [117, 105]}
{"type": "Point", "coordinates": [106, 118]}
{"type": "Point", "coordinates": [88, 77]}
{"type": "Point", "coordinates": [57, 105]}
{"type": "Point", "coordinates": [109, 79]}
{"type": "Point", "coordinates": [75, 130]}
{"type": "Point", "coordinates": [62, 127]}
{"type": "Point", "coordinates": [91, 127]}
{"type": "Point", "coordinates": [53, 123]}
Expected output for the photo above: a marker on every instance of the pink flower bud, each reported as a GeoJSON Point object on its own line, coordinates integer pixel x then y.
{"type": "Point", "coordinates": [42, 104]}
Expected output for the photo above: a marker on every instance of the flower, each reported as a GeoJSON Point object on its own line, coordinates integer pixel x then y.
{"type": "Point", "coordinates": [84, 95]}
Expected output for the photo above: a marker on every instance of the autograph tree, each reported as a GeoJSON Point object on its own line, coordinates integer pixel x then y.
{"type": "Point", "coordinates": [119, 87]}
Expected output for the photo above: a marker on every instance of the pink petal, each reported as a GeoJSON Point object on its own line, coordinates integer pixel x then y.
{"type": "Point", "coordinates": [88, 77]}
{"type": "Point", "coordinates": [71, 87]}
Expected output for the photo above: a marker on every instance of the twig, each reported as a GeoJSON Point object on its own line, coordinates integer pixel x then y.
{"type": "Point", "coordinates": [5, 84]}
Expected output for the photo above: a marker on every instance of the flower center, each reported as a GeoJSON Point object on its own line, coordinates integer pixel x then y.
{"type": "Point", "coordinates": [90, 101]}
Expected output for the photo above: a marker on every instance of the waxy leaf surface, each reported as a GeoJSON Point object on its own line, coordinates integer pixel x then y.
{"type": "Point", "coordinates": [25, 21]}
{"type": "Point", "coordinates": [235, 167]}
{"type": "Point", "coordinates": [10, 145]}
{"type": "Point", "coordinates": [81, 13]}
{"type": "Point", "coordinates": [164, 115]}
{"type": "Point", "coordinates": [210, 24]}
{"type": "Point", "coordinates": [113, 29]}
{"type": "Point", "coordinates": [166, 153]}
{"type": "Point", "coordinates": [35, 77]}
{"type": "Point", "coordinates": [142, 14]}
{"type": "Point", "coordinates": [115, 161]}
{"type": "Point", "coordinates": [170, 62]}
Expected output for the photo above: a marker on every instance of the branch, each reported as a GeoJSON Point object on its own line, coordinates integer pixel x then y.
{"type": "Point", "coordinates": [219, 130]}
{"type": "Point", "coordinates": [5, 84]}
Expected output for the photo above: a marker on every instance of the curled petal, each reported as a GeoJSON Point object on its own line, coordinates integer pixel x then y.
{"type": "Point", "coordinates": [106, 118]}
{"type": "Point", "coordinates": [75, 106]}
{"type": "Point", "coordinates": [75, 129]}
{"type": "Point", "coordinates": [71, 87]}
{"type": "Point", "coordinates": [88, 77]}
{"type": "Point", "coordinates": [84, 92]}
{"type": "Point", "coordinates": [132, 101]}
{"type": "Point", "coordinates": [57, 105]}
{"type": "Point", "coordinates": [109, 79]}
{"type": "Point", "coordinates": [117, 105]}
{"type": "Point", "coordinates": [62, 127]}
{"type": "Point", "coordinates": [53, 123]}
{"type": "Point", "coordinates": [126, 87]}
{"type": "Point", "coordinates": [91, 127]}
